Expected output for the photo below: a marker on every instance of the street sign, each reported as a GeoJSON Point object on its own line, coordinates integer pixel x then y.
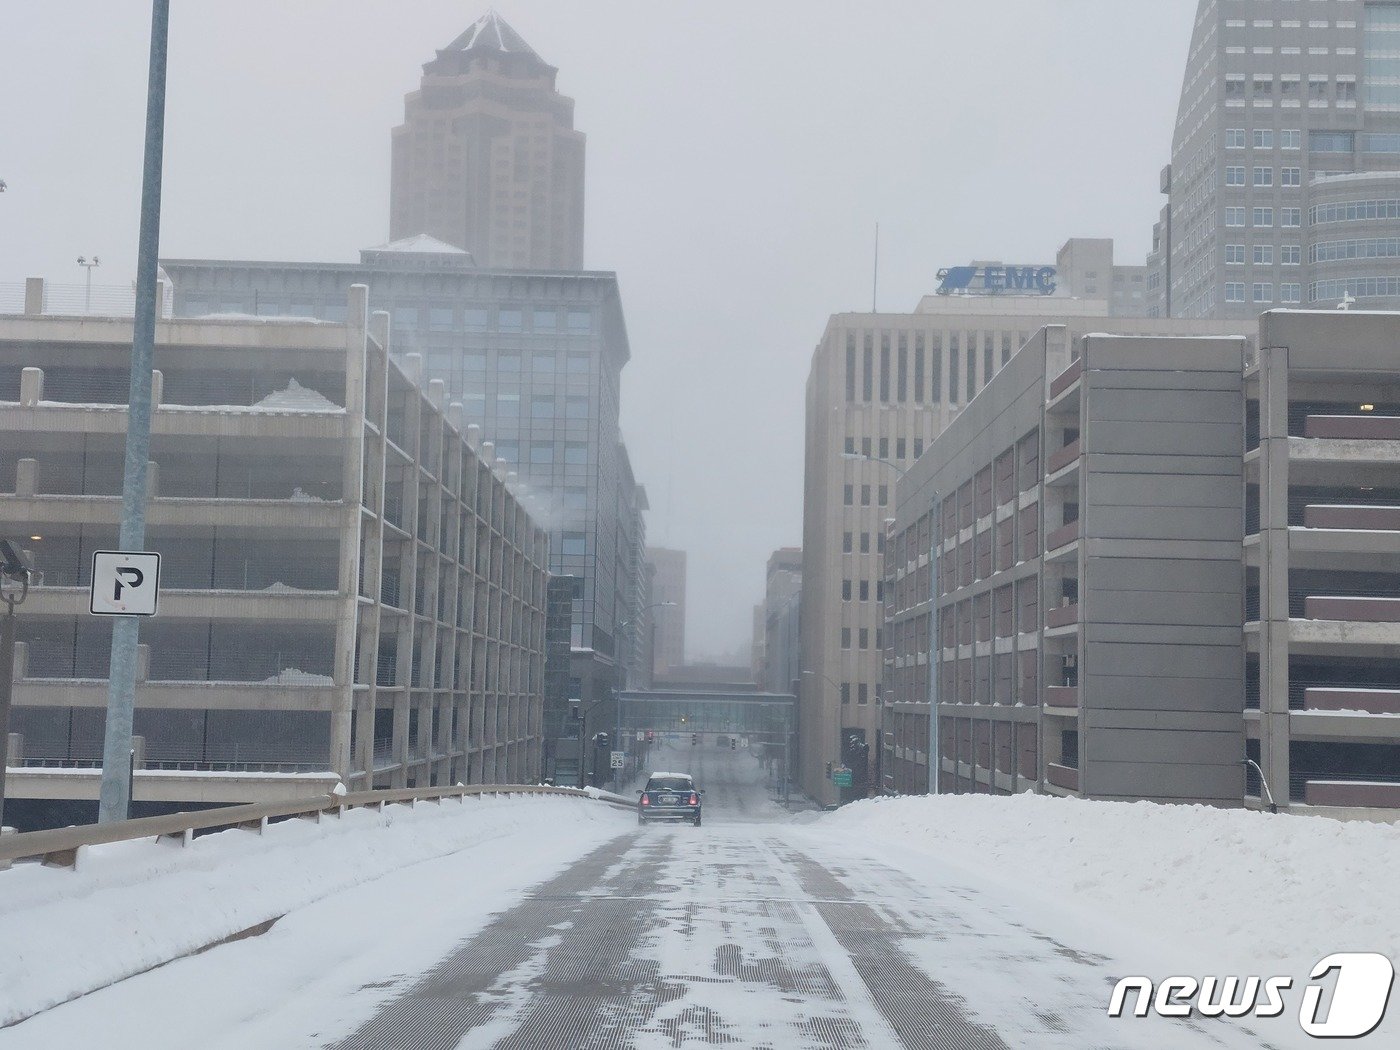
{"type": "Point", "coordinates": [841, 777]}
{"type": "Point", "coordinates": [124, 583]}
{"type": "Point", "coordinates": [641, 736]}
{"type": "Point", "coordinates": [618, 757]}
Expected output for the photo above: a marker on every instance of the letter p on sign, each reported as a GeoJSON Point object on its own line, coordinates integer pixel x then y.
{"type": "Point", "coordinates": [124, 583]}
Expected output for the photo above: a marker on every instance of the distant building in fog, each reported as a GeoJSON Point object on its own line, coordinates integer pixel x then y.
{"type": "Point", "coordinates": [487, 158]}
{"type": "Point", "coordinates": [668, 585]}
{"type": "Point", "coordinates": [781, 617]}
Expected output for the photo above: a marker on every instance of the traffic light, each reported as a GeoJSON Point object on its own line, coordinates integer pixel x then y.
{"type": "Point", "coordinates": [602, 740]}
{"type": "Point", "coordinates": [650, 736]}
{"type": "Point", "coordinates": [694, 739]}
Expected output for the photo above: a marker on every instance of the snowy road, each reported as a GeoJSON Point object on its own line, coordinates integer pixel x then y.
{"type": "Point", "coordinates": [581, 931]}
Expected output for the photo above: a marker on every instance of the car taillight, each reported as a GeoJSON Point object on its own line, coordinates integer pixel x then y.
{"type": "Point", "coordinates": [694, 799]}
{"type": "Point", "coordinates": [646, 801]}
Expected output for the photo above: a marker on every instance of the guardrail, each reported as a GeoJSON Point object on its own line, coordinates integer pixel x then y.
{"type": "Point", "coordinates": [59, 848]}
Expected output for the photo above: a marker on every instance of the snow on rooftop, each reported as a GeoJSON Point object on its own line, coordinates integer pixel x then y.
{"type": "Point", "coordinates": [420, 244]}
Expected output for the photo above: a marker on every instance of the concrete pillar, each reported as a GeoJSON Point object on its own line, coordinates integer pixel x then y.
{"type": "Point", "coordinates": [31, 386]}
{"type": "Point", "coordinates": [26, 477]}
{"type": "Point", "coordinates": [474, 435]}
{"type": "Point", "coordinates": [437, 393]}
{"type": "Point", "coordinates": [412, 365]}
{"type": "Point", "coordinates": [152, 479]}
{"type": "Point", "coordinates": [157, 387]}
{"type": "Point", "coordinates": [33, 295]}
{"type": "Point", "coordinates": [1274, 733]}
{"type": "Point", "coordinates": [143, 662]}
{"type": "Point", "coordinates": [138, 745]}
{"type": "Point", "coordinates": [21, 662]}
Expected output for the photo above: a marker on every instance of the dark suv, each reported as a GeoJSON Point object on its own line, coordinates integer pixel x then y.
{"type": "Point", "coordinates": [669, 796]}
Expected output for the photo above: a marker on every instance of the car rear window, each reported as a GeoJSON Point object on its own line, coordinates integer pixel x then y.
{"type": "Point", "coordinates": [668, 784]}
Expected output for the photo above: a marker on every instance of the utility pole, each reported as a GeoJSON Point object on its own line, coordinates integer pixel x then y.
{"type": "Point", "coordinates": [115, 799]}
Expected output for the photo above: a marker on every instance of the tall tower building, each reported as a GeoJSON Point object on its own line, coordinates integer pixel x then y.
{"type": "Point", "coordinates": [1284, 182]}
{"type": "Point", "coordinates": [487, 158]}
{"type": "Point", "coordinates": [668, 585]}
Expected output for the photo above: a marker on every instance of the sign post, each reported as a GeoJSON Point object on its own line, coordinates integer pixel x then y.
{"type": "Point", "coordinates": [124, 583]}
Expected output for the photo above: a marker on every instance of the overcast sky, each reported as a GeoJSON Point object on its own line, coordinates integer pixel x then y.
{"type": "Point", "coordinates": [740, 153]}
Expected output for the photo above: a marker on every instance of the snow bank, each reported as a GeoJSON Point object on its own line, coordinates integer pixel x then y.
{"type": "Point", "coordinates": [1251, 888]}
{"type": "Point", "coordinates": [131, 906]}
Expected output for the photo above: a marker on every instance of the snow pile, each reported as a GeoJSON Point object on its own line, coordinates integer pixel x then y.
{"type": "Point", "coordinates": [131, 906]}
{"type": "Point", "coordinates": [295, 676]}
{"type": "Point", "coordinates": [296, 398]}
{"type": "Point", "coordinates": [1250, 888]}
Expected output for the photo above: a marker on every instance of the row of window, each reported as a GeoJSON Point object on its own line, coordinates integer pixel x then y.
{"type": "Point", "coordinates": [862, 636]}
{"type": "Point", "coordinates": [1287, 23]}
{"type": "Point", "coordinates": [848, 543]}
{"type": "Point", "coordinates": [862, 691]}
{"type": "Point", "coordinates": [848, 590]}
{"type": "Point", "coordinates": [882, 448]}
{"type": "Point", "coordinates": [1263, 218]}
{"type": "Point", "coordinates": [865, 493]}
{"type": "Point", "coordinates": [1263, 176]}
{"type": "Point", "coordinates": [541, 453]}
{"type": "Point", "coordinates": [1357, 287]}
{"type": "Point", "coordinates": [541, 362]}
{"type": "Point", "coordinates": [1366, 248]}
{"type": "Point", "coordinates": [1289, 254]}
{"type": "Point", "coordinates": [445, 318]}
{"type": "Point", "coordinates": [1354, 211]}
{"type": "Point", "coordinates": [1263, 138]}
{"type": "Point", "coordinates": [1263, 292]}
{"type": "Point", "coordinates": [508, 406]}
{"type": "Point", "coordinates": [1290, 87]}
{"type": "Point", "coordinates": [900, 379]}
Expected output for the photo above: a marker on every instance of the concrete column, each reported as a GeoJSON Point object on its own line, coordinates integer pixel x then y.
{"type": "Point", "coordinates": [352, 480]}
{"type": "Point", "coordinates": [33, 295]}
{"type": "Point", "coordinates": [143, 662]}
{"type": "Point", "coordinates": [1273, 570]}
{"type": "Point", "coordinates": [152, 479]}
{"type": "Point", "coordinates": [15, 753]}
{"type": "Point", "coordinates": [21, 662]}
{"type": "Point", "coordinates": [31, 386]}
{"type": "Point", "coordinates": [26, 477]}
{"type": "Point", "coordinates": [157, 387]}
{"type": "Point", "coordinates": [138, 745]}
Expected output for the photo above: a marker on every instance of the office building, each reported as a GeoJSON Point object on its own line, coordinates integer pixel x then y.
{"type": "Point", "coordinates": [1071, 544]}
{"type": "Point", "coordinates": [1281, 186]}
{"type": "Point", "coordinates": [348, 589]}
{"type": "Point", "coordinates": [881, 388]}
{"type": "Point", "coordinates": [782, 609]}
{"type": "Point", "coordinates": [668, 585]}
{"type": "Point", "coordinates": [1322, 562]}
{"type": "Point", "coordinates": [487, 158]}
{"type": "Point", "coordinates": [535, 359]}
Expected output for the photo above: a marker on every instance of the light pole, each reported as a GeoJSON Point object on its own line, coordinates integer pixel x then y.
{"type": "Point", "coordinates": [626, 667]}
{"type": "Point", "coordinates": [14, 569]}
{"type": "Point", "coordinates": [89, 265]}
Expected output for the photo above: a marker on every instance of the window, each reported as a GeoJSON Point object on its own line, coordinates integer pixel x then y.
{"type": "Point", "coordinates": [845, 692]}
{"type": "Point", "coordinates": [576, 498]}
{"type": "Point", "coordinates": [576, 408]}
{"type": "Point", "coordinates": [507, 405]}
{"type": "Point", "coordinates": [541, 453]}
{"type": "Point", "coordinates": [1234, 138]}
{"type": "Point", "coordinates": [884, 495]}
{"type": "Point", "coordinates": [1234, 85]}
{"type": "Point", "coordinates": [1263, 255]}
{"type": "Point", "coordinates": [580, 320]}
{"type": "Point", "coordinates": [1263, 138]}
{"type": "Point", "coordinates": [1234, 175]}
{"type": "Point", "coordinates": [1263, 292]}
{"type": "Point", "coordinates": [1291, 254]}
{"type": "Point", "coordinates": [508, 362]}
{"type": "Point", "coordinates": [884, 448]}
{"type": "Point", "coordinates": [1234, 292]}
{"type": "Point", "coordinates": [1382, 143]}
{"type": "Point", "coordinates": [508, 451]}
{"type": "Point", "coordinates": [864, 640]}
{"type": "Point", "coordinates": [544, 320]}
{"type": "Point", "coordinates": [846, 542]}
{"type": "Point", "coordinates": [862, 693]}
{"type": "Point", "coordinates": [845, 590]}
{"type": "Point", "coordinates": [542, 364]}
{"type": "Point", "coordinates": [918, 447]}
{"type": "Point", "coordinates": [899, 448]}
{"type": "Point", "coordinates": [1331, 141]}
{"type": "Point", "coordinates": [865, 590]}
{"type": "Point", "coordinates": [1290, 138]}
{"type": "Point", "coordinates": [541, 407]}
{"type": "Point", "coordinates": [850, 446]}
{"type": "Point", "coordinates": [576, 453]}
{"type": "Point", "coordinates": [865, 495]}
{"type": "Point", "coordinates": [865, 447]}
{"type": "Point", "coordinates": [510, 320]}
{"type": "Point", "coordinates": [1263, 86]}
{"type": "Point", "coordinates": [1263, 217]}
{"type": "Point", "coordinates": [440, 318]}
{"type": "Point", "coordinates": [1263, 176]}
{"type": "Point", "coordinates": [1234, 216]}
{"type": "Point", "coordinates": [865, 543]}
{"type": "Point", "coordinates": [1292, 217]}
{"type": "Point", "coordinates": [474, 361]}
{"type": "Point", "coordinates": [1290, 177]}
{"type": "Point", "coordinates": [475, 318]}
{"type": "Point", "coordinates": [579, 364]}
{"type": "Point", "coordinates": [845, 637]}
{"type": "Point", "coordinates": [1346, 90]}
{"type": "Point", "coordinates": [575, 545]}
{"type": "Point", "coordinates": [849, 495]}
{"type": "Point", "coordinates": [1234, 255]}
{"type": "Point", "coordinates": [1290, 293]}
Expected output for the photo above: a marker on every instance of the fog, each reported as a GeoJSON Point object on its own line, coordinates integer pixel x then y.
{"type": "Point", "coordinates": [739, 157]}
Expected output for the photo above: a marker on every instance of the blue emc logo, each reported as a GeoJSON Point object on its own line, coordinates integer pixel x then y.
{"type": "Point", "coordinates": [1035, 280]}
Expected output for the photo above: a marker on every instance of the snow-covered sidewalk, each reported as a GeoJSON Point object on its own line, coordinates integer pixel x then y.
{"type": "Point", "coordinates": [133, 906]}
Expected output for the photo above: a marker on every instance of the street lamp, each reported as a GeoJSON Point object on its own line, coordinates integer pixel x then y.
{"type": "Point", "coordinates": [626, 667]}
{"type": "Point", "coordinates": [89, 265]}
{"type": "Point", "coordinates": [901, 471]}
{"type": "Point", "coordinates": [15, 571]}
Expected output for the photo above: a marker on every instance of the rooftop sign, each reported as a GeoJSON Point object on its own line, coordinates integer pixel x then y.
{"type": "Point", "coordinates": [997, 280]}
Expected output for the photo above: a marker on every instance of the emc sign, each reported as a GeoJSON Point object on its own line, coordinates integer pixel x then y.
{"type": "Point", "coordinates": [994, 280]}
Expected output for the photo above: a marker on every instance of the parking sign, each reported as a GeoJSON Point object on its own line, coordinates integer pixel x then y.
{"type": "Point", "coordinates": [124, 583]}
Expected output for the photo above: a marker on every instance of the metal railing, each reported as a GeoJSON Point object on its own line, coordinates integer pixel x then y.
{"type": "Point", "coordinates": [60, 847]}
